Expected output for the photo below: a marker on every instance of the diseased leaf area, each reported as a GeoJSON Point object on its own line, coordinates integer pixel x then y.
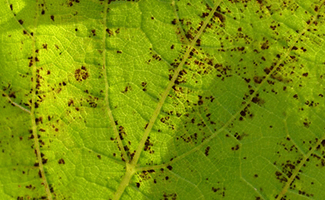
{"type": "Point", "coordinates": [152, 99]}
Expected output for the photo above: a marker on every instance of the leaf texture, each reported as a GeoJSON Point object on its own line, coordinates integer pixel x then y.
{"type": "Point", "coordinates": [162, 99]}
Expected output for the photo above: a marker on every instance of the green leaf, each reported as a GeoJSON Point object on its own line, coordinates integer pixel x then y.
{"type": "Point", "coordinates": [153, 99]}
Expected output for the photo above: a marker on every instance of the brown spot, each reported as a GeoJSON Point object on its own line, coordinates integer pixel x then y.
{"type": "Point", "coordinates": [206, 152]}
{"type": "Point", "coordinates": [109, 31]}
{"type": "Point", "coordinates": [61, 161]}
{"type": "Point", "coordinates": [20, 21]}
{"type": "Point", "coordinates": [258, 100]}
{"type": "Point", "coordinates": [257, 79]}
{"type": "Point", "coordinates": [70, 102]}
{"type": "Point", "coordinates": [265, 45]}
{"type": "Point", "coordinates": [81, 74]}
{"type": "Point", "coordinates": [243, 113]}
{"type": "Point", "coordinates": [220, 16]}
{"type": "Point", "coordinates": [52, 17]}
{"type": "Point", "coordinates": [204, 14]}
{"type": "Point", "coordinates": [295, 96]}
{"type": "Point", "coordinates": [267, 70]}
{"type": "Point", "coordinates": [316, 8]}
{"type": "Point", "coordinates": [215, 189]}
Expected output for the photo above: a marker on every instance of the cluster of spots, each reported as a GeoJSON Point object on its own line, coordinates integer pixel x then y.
{"type": "Point", "coordinates": [128, 152]}
{"type": "Point", "coordinates": [245, 113]}
{"type": "Point", "coordinates": [288, 167]}
{"type": "Point", "coordinates": [167, 119]}
{"type": "Point", "coordinates": [183, 37]}
{"type": "Point", "coordinates": [221, 191]}
{"type": "Point", "coordinates": [196, 128]}
{"type": "Point", "coordinates": [218, 17]}
{"type": "Point", "coordinates": [144, 86]}
{"type": "Point", "coordinates": [122, 135]}
{"type": "Point", "coordinates": [92, 101]}
{"type": "Point", "coordinates": [12, 94]}
{"type": "Point", "coordinates": [187, 33]}
{"type": "Point", "coordinates": [157, 176]}
{"type": "Point", "coordinates": [206, 151]}
{"type": "Point", "coordinates": [81, 74]}
{"type": "Point", "coordinates": [148, 145]}
{"type": "Point", "coordinates": [154, 56]}
{"type": "Point", "coordinates": [121, 132]}
{"type": "Point", "coordinates": [169, 196]}
{"type": "Point", "coordinates": [111, 1]}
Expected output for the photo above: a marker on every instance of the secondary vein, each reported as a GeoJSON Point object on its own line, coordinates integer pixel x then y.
{"type": "Point", "coordinates": [32, 113]}
{"type": "Point", "coordinates": [109, 111]}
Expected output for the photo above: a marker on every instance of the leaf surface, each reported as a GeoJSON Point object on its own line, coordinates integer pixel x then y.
{"type": "Point", "coordinates": [156, 99]}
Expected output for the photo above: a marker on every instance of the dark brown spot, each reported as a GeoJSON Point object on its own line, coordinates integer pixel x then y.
{"type": "Point", "coordinates": [94, 32]}
{"type": "Point", "coordinates": [265, 45]}
{"type": "Point", "coordinates": [81, 74]}
{"type": "Point", "coordinates": [219, 16]}
{"type": "Point", "coordinates": [257, 79]}
{"type": "Point", "coordinates": [206, 152]}
{"type": "Point", "coordinates": [61, 161]}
